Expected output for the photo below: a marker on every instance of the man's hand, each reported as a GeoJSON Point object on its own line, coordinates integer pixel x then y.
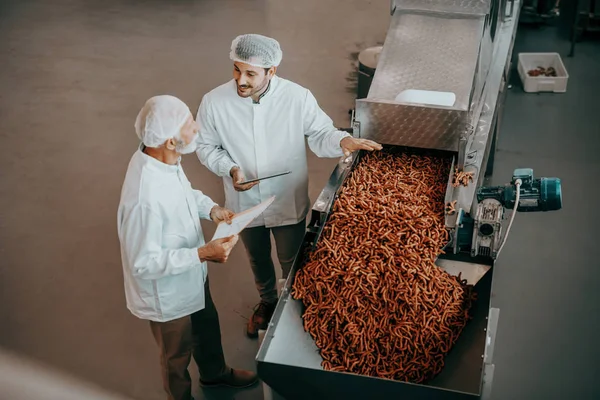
{"type": "Point", "coordinates": [238, 177]}
{"type": "Point", "coordinates": [220, 214]}
{"type": "Point", "coordinates": [350, 145]}
{"type": "Point", "coordinates": [217, 250]}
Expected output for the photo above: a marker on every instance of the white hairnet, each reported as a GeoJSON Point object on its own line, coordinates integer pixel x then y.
{"type": "Point", "coordinates": [161, 119]}
{"type": "Point", "coordinates": [257, 50]}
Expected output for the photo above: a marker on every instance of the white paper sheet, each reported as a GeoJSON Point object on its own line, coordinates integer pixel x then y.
{"type": "Point", "coordinates": [241, 220]}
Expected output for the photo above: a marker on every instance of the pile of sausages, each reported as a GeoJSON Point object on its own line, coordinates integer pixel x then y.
{"type": "Point", "coordinates": [451, 207]}
{"type": "Point", "coordinates": [461, 178]}
{"type": "Point", "coordinates": [541, 71]}
{"type": "Point", "coordinates": [375, 302]}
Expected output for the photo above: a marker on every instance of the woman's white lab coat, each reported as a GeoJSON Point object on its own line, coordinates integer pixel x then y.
{"type": "Point", "coordinates": [264, 139]}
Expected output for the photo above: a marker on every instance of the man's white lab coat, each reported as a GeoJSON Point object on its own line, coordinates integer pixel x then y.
{"type": "Point", "coordinates": [264, 139]}
{"type": "Point", "coordinates": [159, 230]}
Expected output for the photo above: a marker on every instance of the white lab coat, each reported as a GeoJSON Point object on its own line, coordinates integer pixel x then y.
{"type": "Point", "coordinates": [264, 139]}
{"type": "Point", "coordinates": [159, 230]}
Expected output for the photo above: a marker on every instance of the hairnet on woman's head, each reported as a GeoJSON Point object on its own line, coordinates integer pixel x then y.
{"type": "Point", "coordinates": [161, 119]}
{"type": "Point", "coordinates": [256, 50]}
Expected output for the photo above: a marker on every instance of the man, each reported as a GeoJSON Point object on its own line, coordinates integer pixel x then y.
{"type": "Point", "coordinates": [164, 254]}
{"type": "Point", "coordinates": [254, 126]}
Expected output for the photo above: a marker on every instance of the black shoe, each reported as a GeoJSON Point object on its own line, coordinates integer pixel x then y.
{"type": "Point", "coordinates": [260, 319]}
{"type": "Point", "coordinates": [236, 378]}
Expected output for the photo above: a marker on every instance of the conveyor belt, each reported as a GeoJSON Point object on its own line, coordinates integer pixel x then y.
{"type": "Point", "coordinates": [292, 350]}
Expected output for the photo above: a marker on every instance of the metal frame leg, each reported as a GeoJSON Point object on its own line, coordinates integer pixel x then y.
{"type": "Point", "coordinates": [574, 29]}
{"type": "Point", "coordinates": [268, 393]}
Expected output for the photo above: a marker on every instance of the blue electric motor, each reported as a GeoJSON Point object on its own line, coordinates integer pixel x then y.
{"type": "Point", "coordinates": [536, 194]}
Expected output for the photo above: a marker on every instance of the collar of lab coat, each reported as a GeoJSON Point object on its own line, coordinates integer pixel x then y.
{"type": "Point", "coordinates": [273, 85]}
{"type": "Point", "coordinates": [156, 164]}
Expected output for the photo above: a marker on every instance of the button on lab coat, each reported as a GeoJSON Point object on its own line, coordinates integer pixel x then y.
{"type": "Point", "coordinates": [264, 139]}
{"type": "Point", "coordinates": [159, 230]}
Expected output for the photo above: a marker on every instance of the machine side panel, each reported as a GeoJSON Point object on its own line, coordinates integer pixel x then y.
{"type": "Point", "coordinates": [410, 126]}
{"type": "Point", "coordinates": [488, 378]}
{"type": "Point", "coordinates": [490, 340]}
{"type": "Point", "coordinates": [479, 144]}
{"type": "Point", "coordinates": [434, 53]}
{"type": "Point", "coordinates": [301, 383]}
{"type": "Point", "coordinates": [290, 363]}
{"type": "Point", "coordinates": [477, 7]}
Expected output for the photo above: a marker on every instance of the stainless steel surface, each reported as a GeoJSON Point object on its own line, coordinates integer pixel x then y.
{"type": "Point", "coordinates": [503, 16]}
{"type": "Point", "coordinates": [483, 67]}
{"type": "Point", "coordinates": [268, 392]}
{"type": "Point", "coordinates": [472, 272]}
{"type": "Point", "coordinates": [437, 53]}
{"type": "Point", "coordinates": [450, 220]}
{"type": "Point", "coordinates": [409, 125]}
{"type": "Point", "coordinates": [478, 147]}
{"type": "Point", "coordinates": [426, 52]}
{"type": "Point", "coordinates": [508, 9]}
{"type": "Point", "coordinates": [289, 361]}
{"type": "Point", "coordinates": [511, 10]}
{"type": "Point", "coordinates": [326, 197]}
{"type": "Point", "coordinates": [476, 7]}
{"type": "Point", "coordinates": [462, 148]}
{"type": "Point", "coordinates": [490, 213]}
{"type": "Point", "coordinates": [491, 330]}
{"type": "Point", "coordinates": [488, 379]}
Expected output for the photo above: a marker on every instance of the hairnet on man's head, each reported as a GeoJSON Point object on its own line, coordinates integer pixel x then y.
{"type": "Point", "coordinates": [256, 50]}
{"type": "Point", "coordinates": [161, 119]}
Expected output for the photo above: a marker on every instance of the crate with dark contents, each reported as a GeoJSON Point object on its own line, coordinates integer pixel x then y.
{"type": "Point", "coordinates": [542, 72]}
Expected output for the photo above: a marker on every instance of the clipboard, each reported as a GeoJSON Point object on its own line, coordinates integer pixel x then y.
{"type": "Point", "coordinates": [266, 177]}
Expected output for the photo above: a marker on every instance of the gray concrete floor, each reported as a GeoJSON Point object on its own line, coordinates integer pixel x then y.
{"type": "Point", "coordinates": [547, 279]}
{"type": "Point", "coordinates": [73, 75]}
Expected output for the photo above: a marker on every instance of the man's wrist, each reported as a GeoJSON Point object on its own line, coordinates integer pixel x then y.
{"type": "Point", "coordinates": [344, 138]}
{"type": "Point", "coordinates": [202, 254]}
{"type": "Point", "coordinates": [348, 136]}
{"type": "Point", "coordinates": [233, 170]}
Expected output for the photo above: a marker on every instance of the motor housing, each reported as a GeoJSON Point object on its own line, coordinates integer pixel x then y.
{"type": "Point", "coordinates": [487, 229]}
{"type": "Point", "coordinates": [536, 194]}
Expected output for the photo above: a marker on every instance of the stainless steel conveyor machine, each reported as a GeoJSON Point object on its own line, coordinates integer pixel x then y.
{"type": "Point", "coordinates": [440, 85]}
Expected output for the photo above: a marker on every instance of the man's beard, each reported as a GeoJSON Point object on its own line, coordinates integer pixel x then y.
{"type": "Point", "coordinates": [183, 148]}
{"type": "Point", "coordinates": [250, 93]}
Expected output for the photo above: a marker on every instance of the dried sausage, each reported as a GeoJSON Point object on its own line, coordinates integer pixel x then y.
{"type": "Point", "coordinates": [375, 302]}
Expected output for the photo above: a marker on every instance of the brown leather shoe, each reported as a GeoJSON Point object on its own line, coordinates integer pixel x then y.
{"type": "Point", "coordinates": [236, 378]}
{"type": "Point", "coordinates": [260, 319]}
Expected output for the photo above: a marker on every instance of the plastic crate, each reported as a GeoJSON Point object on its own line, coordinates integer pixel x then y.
{"type": "Point", "coordinates": [534, 84]}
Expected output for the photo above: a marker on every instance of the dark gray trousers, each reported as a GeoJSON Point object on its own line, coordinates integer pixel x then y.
{"type": "Point", "coordinates": [197, 335]}
{"type": "Point", "coordinates": [257, 241]}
